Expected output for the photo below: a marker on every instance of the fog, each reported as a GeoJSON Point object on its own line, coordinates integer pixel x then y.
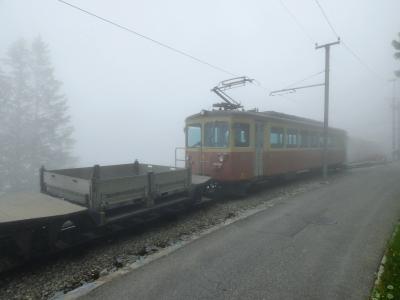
{"type": "Point", "coordinates": [128, 97]}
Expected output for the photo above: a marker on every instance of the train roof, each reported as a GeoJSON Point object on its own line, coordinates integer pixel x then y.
{"type": "Point", "coordinates": [262, 115]}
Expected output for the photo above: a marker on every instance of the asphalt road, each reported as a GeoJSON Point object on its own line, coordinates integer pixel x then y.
{"type": "Point", "coordinates": [323, 244]}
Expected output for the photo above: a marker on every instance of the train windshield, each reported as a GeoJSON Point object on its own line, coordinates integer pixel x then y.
{"type": "Point", "coordinates": [216, 134]}
{"type": "Point", "coordinates": [193, 139]}
{"type": "Point", "coordinates": [242, 134]}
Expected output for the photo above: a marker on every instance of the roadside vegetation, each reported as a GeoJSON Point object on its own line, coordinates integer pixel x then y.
{"type": "Point", "coordinates": [388, 283]}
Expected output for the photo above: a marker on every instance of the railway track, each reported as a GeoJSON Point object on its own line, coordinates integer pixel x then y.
{"type": "Point", "coordinates": [72, 237]}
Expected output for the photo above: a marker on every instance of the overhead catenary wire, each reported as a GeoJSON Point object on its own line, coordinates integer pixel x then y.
{"type": "Point", "coordinates": [201, 61]}
{"type": "Point", "coordinates": [304, 79]}
{"type": "Point", "coordinates": [289, 12]}
{"type": "Point", "coordinates": [358, 58]}
{"type": "Point", "coordinates": [261, 86]}
{"type": "Point", "coordinates": [326, 18]}
{"type": "Point", "coordinates": [181, 52]}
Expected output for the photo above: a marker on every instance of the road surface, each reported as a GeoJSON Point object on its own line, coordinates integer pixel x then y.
{"type": "Point", "coordinates": [323, 244]}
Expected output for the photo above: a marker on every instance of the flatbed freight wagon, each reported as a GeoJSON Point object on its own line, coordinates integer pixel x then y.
{"type": "Point", "coordinates": [90, 198]}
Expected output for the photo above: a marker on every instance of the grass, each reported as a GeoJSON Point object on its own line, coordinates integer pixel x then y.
{"type": "Point", "coordinates": [388, 284]}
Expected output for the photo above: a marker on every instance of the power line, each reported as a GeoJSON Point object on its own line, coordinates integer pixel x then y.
{"type": "Point", "coordinates": [312, 40]}
{"type": "Point", "coordinates": [149, 38]}
{"type": "Point", "coordinates": [326, 18]}
{"type": "Point", "coordinates": [304, 79]}
{"type": "Point", "coordinates": [259, 85]}
{"type": "Point", "coordinates": [361, 61]}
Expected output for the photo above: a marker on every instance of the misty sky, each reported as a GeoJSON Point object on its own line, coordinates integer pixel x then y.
{"type": "Point", "coordinates": [128, 98]}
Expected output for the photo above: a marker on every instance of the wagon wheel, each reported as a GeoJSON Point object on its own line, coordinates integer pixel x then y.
{"type": "Point", "coordinates": [194, 196]}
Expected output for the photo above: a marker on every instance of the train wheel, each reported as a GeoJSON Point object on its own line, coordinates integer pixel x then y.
{"type": "Point", "coordinates": [214, 190]}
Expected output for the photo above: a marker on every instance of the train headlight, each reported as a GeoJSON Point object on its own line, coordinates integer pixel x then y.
{"type": "Point", "coordinates": [222, 157]}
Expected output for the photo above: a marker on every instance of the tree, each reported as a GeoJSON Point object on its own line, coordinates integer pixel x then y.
{"type": "Point", "coordinates": [36, 127]}
{"type": "Point", "coordinates": [52, 142]}
{"type": "Point", "coordinates": [396, 45]}
{"type": "Point", "coordinates": [14, 134]}
{"type": "Point", "coordinates": [5, 90]}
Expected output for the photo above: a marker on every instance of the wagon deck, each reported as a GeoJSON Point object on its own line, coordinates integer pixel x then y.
{"type": "Point", "coordinates": [31, 206]}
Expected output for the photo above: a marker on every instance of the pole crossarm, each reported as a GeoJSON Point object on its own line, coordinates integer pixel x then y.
{"type": "Point", "coordinates": [293, 89]}
{"type": "Point", "coordinates": [328, 44]}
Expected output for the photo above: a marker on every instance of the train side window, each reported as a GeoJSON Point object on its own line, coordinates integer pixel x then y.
{"type": "Point", "coordinates": [276, 137]}
{"type": "Point", "coordinates": [304, 137]}
{"type": "Point", "coordinates": [242, 134]}
{"type": "Point", "coordinates": [193, 136]}
{"type": "Point", "coordinates": [314, 140]}
{"type": "Point", "coordinates": [291, 141]}
{"type": "Point", "coordinates": [321, 140]}
{"type": "Point", "coordinates": [332, 141]}
{"type": "Point", "coordinates": [216, 134]}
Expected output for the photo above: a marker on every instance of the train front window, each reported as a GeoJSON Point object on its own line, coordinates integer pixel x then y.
{"type": "Point", "coordinates": [241, 134]}
{"type": "Point", "coordinates": [193, 139]}
{"type": "Point", "coordinates": [216, 134]}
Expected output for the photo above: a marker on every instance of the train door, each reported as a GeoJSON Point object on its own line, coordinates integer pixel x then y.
{"type": "Point", "coordinates": [259, 148]}
{"type": "Point", "coordinates": [194, 148]}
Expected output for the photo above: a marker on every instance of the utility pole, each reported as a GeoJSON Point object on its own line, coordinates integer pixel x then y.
{"type": "Point", "coordinates": [326, 106]}
{"type": "Point", "coordinates": [326, 102]}
{"type": "Point", "coordinates": [397, 108]}
{"type": "Point", "coordinates": [395, 127]}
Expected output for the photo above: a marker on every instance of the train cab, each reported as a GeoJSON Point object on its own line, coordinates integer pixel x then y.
{"type": "Point", "coordinates": [221, 145]}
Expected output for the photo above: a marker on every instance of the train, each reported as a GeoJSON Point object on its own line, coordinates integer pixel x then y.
{"type": "Point", "coordinates": [361, 151]}
{"type": "Point", "coordinates": [225, 149]}
{"type": "Point", "coordinates": [239, 148]}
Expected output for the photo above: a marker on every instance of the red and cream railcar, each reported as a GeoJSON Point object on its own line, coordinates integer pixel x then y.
{"type": "Point", "coordinates": [244, 146]}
